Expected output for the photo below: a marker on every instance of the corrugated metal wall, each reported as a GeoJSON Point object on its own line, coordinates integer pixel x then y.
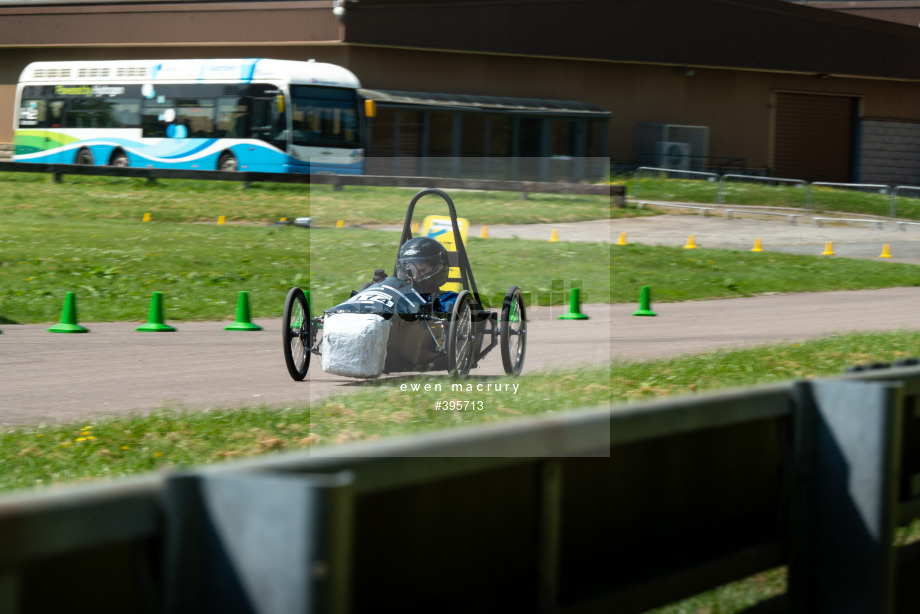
{"type": "Point", "coordinates": [890, 152]}
{"type": "Point", "coordinates": [813, 137]}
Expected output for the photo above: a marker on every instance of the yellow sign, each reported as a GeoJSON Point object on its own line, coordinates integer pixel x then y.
{"type": "Point", "coordinates": [439, 228]}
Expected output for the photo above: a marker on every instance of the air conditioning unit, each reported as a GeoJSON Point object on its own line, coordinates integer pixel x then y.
{"type": "Point", "coordinates": [671, 154]}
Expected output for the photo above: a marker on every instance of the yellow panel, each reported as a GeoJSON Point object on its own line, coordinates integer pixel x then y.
{"type": "Point", "coordinates": [438, 227]}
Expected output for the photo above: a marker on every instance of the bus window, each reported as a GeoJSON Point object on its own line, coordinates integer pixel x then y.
{"type": "Point", "coordinates": [231, 118]}
{"type": "Point", "coordinates": [153, 117]}
{"type": "Point", "coordinates": [89, 113]}
{"type": "Point", "coordinates": [324, 116]}
{"type": "Point", "coordinates": [33, 113]}
{"type": "Point", "coordinates": [125, 113]}
{"type": "Point", "coordinates": [197, 116]}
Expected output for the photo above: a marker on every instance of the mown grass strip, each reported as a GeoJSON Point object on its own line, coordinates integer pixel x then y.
{"type": "Point", "coordinates": [203, 201]}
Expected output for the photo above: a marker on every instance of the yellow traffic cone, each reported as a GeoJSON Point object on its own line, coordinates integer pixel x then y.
{"type": "Point", "coordinates": [340, 224]}
{"type": "Point", "coordinates": [146, 217]}
{"type": "Point", "coordinates": [622, 240]}
{"type": "Point", "coordinates": [886, 251]}
{"type": "Point", "coordinates": [220, 220]}
{"type": "Point", "coordinates": [757, 246]}
{"type": "Point", "coordinates": [690, 244]}
{"type": "Point", "coordinates": [555, 235]}
{"type": "Point", "coordinates": [485, 231]}
{"type": "Point", "coordinates": [828, 249]}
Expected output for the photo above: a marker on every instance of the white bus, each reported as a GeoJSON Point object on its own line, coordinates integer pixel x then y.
{"type": "Point", "coordinates": [242, 114]}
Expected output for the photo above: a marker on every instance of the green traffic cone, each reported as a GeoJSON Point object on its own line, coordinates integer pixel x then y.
{"type": "Point", "coordinates": [574, 312]}
{"type": "Point", "coordinates": [242, 315]}
{"type": "Point", "coordinates": [69, 317]}
{"type": "Point", "coordinates": [645, 307]}
{"type": "Point", "coordinates": [155, 319]}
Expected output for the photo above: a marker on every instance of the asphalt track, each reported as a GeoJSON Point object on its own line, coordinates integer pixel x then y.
{"type": "Point", "coordinates": [48, 377]}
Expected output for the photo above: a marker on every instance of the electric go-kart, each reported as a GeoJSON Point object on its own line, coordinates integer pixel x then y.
{"type": "Point", "coordinates": [399, 325]}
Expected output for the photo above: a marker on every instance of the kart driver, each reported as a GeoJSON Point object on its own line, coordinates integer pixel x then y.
{"type": "Point", "coordinates": [424, 261]}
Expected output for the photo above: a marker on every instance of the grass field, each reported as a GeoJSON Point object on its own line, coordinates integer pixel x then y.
{"type": "Point", "coordinates": [115, 265]}
{"type": "Point", "coordinates": [86, 197]}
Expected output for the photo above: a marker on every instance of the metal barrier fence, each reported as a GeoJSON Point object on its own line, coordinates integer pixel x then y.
{"type": "Point", "coordinates": [615, 509]}
{"type": "Point", "coordinates": [893, 193]}
{"type": "Point", "coordinates": [859, 187]}
{"type": "Point", "coordinates": [896, 192]}
{"type": "Point", "coordinates": [755, 179]}
{"type": "Point", "coordinates": [671, 173]}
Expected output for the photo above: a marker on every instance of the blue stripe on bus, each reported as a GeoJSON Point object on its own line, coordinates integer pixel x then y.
{"type": "Point", "coordinates": [190, 152]}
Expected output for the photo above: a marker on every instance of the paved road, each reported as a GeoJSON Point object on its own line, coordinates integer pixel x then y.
{"type": "Point", "coordinates": [115, 370]}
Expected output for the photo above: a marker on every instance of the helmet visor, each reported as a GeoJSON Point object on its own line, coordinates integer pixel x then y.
{"type": "Point", "coordinates": [415, 270]}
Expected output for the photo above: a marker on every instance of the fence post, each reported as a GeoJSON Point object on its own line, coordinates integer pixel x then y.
{"type": "Point", "coordinates": [844, 506]}
{"type": "Point", "coordinates": [267, 543]}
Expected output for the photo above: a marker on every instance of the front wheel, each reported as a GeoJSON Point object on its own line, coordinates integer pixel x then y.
{"type": "Point", "coordinates": [513, 330]}
{"type": "Point", "coordinates": [461, 336]}
{"type": "Point", "coordinates": [297, 335]}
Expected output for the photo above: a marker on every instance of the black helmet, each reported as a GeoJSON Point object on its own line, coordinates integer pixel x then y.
{"type": "Point", "coordinates": [424, 261]}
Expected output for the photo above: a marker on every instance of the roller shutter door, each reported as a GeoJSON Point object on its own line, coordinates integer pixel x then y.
{"type": "Point", "coordinates": [814, 137]}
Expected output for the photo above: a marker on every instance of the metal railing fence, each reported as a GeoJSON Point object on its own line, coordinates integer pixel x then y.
{"type": "Point", "coordinates": [671, 173]}
{"type": "Point", "coordinates": [755, 179]}
{"type": "Point", "coordinates": [866, 188]}
{"type": "Point", "coordinates": [564, 513]}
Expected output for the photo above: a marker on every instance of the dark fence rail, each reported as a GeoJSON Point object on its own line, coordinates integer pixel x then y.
{"type": "Point", "coordinates": [614, 509]}
{"type": "Point", "coordinates": [616, 193]}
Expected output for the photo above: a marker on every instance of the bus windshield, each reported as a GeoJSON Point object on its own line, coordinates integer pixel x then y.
{"type": "Point", "coordinates": [324, 116]}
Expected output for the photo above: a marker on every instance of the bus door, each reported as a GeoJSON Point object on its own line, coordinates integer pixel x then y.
{"type": "Point", "coordinates": [268, 117]}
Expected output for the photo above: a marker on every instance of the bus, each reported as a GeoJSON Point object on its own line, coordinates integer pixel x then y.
{"type": "Point", "coordinates": [258, 115]}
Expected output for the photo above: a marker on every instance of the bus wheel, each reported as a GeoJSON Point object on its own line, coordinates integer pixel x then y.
{"type": "Point", "coordinates": [119, 158]}
{"type": "Point", "coordinates": [84, 156]}
{"type": "Point", "coordinates": [227, 162]}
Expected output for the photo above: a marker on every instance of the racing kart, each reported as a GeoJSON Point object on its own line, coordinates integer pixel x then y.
{"type": "Point", "coordinates": [389, 327]}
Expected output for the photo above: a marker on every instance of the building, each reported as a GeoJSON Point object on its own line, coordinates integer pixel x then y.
{"type": "Point", "coordinates": [763, 85]}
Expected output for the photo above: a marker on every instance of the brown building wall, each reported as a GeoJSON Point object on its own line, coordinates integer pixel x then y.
{"type": "Point", "coordinates": [736, 104]}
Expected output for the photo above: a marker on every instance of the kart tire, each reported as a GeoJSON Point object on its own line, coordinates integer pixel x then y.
{"type": "Point", "coordinates": [513, 331]}
{"type": "Point", "coordinates": [296, 323]}
{"type": "Point", "coordinates": [460, 337]}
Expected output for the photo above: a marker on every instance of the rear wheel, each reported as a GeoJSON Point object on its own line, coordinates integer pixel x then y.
{"type": "Point", "coordinates": [460, 337]}
{"type": "Point", "coordinates": [513, 330]}
{"type": "Point", "coordinates": [84, 156]}
{"type": "Point", "coordinates": [228, 162]}
{"type": "Point", "coordinates": [297, 335]}
{"type": "Point", "coordinates": [119, 158]}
